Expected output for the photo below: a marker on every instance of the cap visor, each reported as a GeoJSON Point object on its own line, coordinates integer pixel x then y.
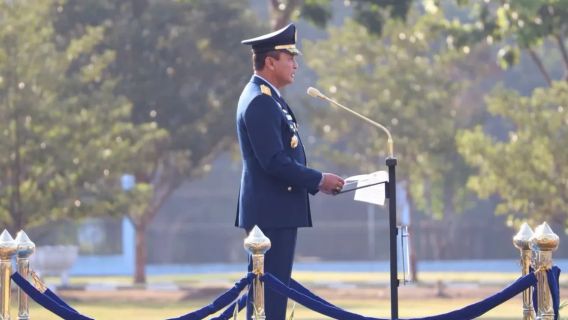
{"type": "Point", "coordinates": [294, 51]}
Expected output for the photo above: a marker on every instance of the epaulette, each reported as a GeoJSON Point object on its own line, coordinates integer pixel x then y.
{"type": "Point", "coordinates": [265, 89]}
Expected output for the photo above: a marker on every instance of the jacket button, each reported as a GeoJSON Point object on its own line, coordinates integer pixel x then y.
{"type": "Point", "coordinates": [289, 188]}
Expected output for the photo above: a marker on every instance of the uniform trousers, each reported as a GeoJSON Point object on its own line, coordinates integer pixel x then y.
{"type": "Point", "coordinates": [278, 261]}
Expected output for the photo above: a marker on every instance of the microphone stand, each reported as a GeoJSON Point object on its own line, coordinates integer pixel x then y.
{"type": "Point", "coordinates": [390, 194]}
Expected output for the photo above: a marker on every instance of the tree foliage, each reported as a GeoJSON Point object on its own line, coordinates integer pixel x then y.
{"type": "Point", "coordinates": [181, 65]}
{"type": "Point", "coordinates": [524, 170]}
{"type": "Point", "coordinates": [402, 81]}
{"type": "Point", "coordinates": [517, 25]}
{"type": "Point", "coordinates": [527, 170]}
{"type": "Point", "coordinates": [373, 14]}
{"type": "Point", "coordinates": [177, 61]}
{"type": "Point", "coordinates": [67, 138]}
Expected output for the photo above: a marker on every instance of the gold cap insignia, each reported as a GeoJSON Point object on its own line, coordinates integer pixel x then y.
{"type": "Point", "coordinates": [265, 89]}
{"type": "Point", "coordinates": [294, 142]}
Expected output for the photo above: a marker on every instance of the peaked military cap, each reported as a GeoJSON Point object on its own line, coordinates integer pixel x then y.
{"type": "Point", "coordinates": [283, 39]}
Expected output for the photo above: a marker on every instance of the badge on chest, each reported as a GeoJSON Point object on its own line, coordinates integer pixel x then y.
{"type": "Point", "coordinates": [294, 141]}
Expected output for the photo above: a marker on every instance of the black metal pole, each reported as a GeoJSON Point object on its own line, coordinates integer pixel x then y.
{"type": "Point", "coordinates": [391, 164]}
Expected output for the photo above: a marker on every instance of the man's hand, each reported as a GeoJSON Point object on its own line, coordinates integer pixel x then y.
{"type": "Point", "coordinates": [331, 183]}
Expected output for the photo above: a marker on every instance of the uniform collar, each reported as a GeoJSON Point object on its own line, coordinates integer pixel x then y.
{"type": "Point", "coordinates": [270, 84]}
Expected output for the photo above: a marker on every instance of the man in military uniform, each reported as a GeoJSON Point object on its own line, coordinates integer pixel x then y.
{"type": "Point", "coordinates": [275, 180]}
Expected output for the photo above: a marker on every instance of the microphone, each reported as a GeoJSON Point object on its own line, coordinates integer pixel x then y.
{"type": "Point", "coordinates": [317, 94]}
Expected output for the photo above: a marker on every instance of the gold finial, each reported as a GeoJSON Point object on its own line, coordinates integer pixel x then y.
{"type": "Point", "coordinates": [266, 90]}
{"type": "Point", "coordinates": [257, 242]}
{"type": "Point", "coordinates": [26, 247]}
{"type": "Point", "coordinates": [8, 245]}
{"type": "Point", "coordinates": [522, 240]}
{"type": "Point", "coordinates": [544, 238]}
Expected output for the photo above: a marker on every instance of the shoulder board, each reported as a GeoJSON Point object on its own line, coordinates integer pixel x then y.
{"type": "Point", "coordinates": [265, 89]}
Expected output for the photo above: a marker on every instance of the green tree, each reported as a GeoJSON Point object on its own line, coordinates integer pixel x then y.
{"type": "Point", "coordinates": [522, 170]}
{"type": "Point", "coordinates": [527, 170]}
{"type": "Point", "coordinates": [398, 81]}
{"type": "Point", "coordinates": [517, 25]}
{"type": "Point", "coordinates": [67, 138]}
{"type": "Point", "coordinates": [372, 14]}
{"type": "Point", "coordinates": [404, 81]}
{"type": "Point", "coordinates": [181, 64]}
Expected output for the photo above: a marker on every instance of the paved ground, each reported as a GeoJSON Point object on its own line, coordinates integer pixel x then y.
{"type": "Point", "coordinates": [94, 267]}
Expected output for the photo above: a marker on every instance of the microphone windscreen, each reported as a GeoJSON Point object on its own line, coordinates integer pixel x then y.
{"type": "Point", "coordinates": [314, 92]}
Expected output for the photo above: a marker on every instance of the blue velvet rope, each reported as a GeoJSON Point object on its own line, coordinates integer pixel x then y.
{"type": "Point", "coordinates": [62, 310]}
{"type": "Point", "coordinates": [230, 310]}
{"type": "Point", "coordinates": [553, 277]}
{"type": "Point", "coordinates": [55, 298]}
{"type": "Point", "coordinates": [470, 312]}
{"type": "Point", "coordinates": [273, 283]}
{"type": "Point", "coordinates": [220, 302]}
{"type": "Point", "coordinates": [305, 291]}
{"type": "Point", "coordinates": [479, 308]}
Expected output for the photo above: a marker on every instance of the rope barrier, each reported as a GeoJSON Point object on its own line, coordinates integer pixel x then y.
{"type": "Point", "coordinates": [273, 283]}
{"type": "Point", "coordinates": [220, 302]}
{"type": "Point", "coordinates": [554, 285]}
{"type": "Point", "coordinates": [553, 277]}
{"type": "Point", "coordinates": [303, 290]}
{"type": "Point", "coordinates": [54, 305]}
{"type": "Point", "coordinates": [55, 298]}
{"type": "Point", "coordinates": [304, 296]}
{"type": "Point", "coordinates": [229, 311]}
{"type": "Point", "coordinates": [469, 312]}
{"type": "Point", "coordinates": [41, 287]}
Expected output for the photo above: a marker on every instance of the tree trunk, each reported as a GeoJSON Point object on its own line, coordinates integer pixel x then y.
{"type": "Point", "coordinates": [141, 253]}
{"type": "Point", "coordinates": [413, 263]}
{"type": "Point", "coordinates": [564, 53]}
{"type": "Point", "coordinates": [281, 17]}
{"type": "Point", "coordinates": [138, 7]}
{"type": "Point", "coordinates": [411, 247]}
{"type": "Point", "coordinates": [536, 59]}
{"type": "Point", "coordinates": [164, 184]}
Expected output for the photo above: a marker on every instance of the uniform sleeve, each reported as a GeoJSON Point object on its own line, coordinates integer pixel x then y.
{"type": "Point", "coordinates": [263, 122]}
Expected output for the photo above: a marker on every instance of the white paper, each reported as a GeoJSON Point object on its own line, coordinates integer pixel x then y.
{"type": "Point", "coordinates": [373, 194]}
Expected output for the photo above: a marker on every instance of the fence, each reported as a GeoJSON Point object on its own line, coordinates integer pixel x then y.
{"type": "Point", "coordinates": [539, 284]}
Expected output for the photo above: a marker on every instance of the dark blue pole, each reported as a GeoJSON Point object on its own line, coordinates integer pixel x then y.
{"type": "Point", "coordinates": [391, 194]}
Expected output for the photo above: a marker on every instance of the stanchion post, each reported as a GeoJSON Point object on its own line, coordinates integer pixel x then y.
{"type": "Point", "coordinates": [544, 241]}
{"type": "Point", "coordinates": [522, 242]}
{"type": "Point", "coordinates": [7, 250]}
{"type": "Point", "coordinates": [25, 249]}
{"type": "Point", "coordinates": [257, 244]}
